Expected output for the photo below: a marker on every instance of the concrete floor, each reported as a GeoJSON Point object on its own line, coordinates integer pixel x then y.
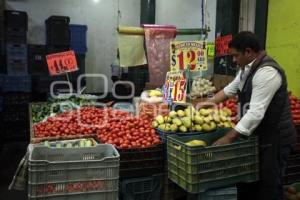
{"type": "Point", "coordinates": [10, 156]}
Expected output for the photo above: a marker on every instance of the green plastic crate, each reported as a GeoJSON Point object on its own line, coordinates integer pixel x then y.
{"type": "Point", "coordinates": [227, 193]}
{"type": "Point", "coordinates": [142, 188]}
{"type": "Point", "coordinates": [197, 169]}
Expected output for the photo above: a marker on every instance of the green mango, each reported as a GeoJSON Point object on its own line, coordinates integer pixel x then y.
{"type": "Point", "coordinates": [183, 129]}
{"type": "Point", "coordinates": [187, 122]}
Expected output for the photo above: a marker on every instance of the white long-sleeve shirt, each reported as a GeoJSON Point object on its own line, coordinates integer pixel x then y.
{"type": "Point", "coordinates": [266, 81]}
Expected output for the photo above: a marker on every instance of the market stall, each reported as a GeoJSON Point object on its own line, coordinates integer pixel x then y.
{"type": "Point", "coordinates": [158, 142]}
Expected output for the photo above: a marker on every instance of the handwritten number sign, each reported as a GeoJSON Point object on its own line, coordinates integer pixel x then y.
{"type": "Point", "coordinates": [222, 45]}
{"type": "Point", "coordinates": [174, 89]}
{"type": "Point", "coordinates": [60, 63]}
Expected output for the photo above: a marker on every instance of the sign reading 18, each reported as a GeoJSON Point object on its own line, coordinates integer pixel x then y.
{"type": "Point", "coordinates": [187, 58]}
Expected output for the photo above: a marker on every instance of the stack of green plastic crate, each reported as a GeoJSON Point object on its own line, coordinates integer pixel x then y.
{"type": "Point", "coordinates": [197, 169]}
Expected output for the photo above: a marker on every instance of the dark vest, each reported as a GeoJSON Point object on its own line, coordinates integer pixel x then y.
{"type": "Point", "coordinates": [277, 122]}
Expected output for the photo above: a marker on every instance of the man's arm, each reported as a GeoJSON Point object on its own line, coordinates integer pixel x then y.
{"type": "Point", "coordinates": [218, 98]}
{"type": "Point", "coordinates": [229, 91]}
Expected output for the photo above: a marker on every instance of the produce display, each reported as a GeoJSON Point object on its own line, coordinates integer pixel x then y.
{"type": "Point", "coordinates": [232, 105]}
{"type": "Point", "coordinates": [115, 127]}
{"type": "Point", "coordinates": [191, 120]}
{"type": "Point", "coordinates": [152, 96]}
{"type": "Point", "coordinates": [77, 100]}
{"type": "Point", "coordinates": [70, 143]}
{"type": "Point", "coordinates": [151, 110]}
{"type": "Point", "coordinates": [127, 131]}
{"type": "Point", "coordinates": [294, 103]}
{"type": "Point", "coordinates": [292, 192]}
{"type": "Point", "coordinates": [202, 87]}
{"type": "Point", "coordinates": [295, 107]}
{"type": "Point", "coordinates": [40, 111]}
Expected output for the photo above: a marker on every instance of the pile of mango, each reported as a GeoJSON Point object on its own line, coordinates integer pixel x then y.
{"type": "Point", "coordinates": [192, 120]}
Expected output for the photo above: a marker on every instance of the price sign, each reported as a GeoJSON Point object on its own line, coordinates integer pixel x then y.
{"type": "Point", "coordinates": [222, 48]}
{"type": "Point", "coordinates": [167, 92]}
{"type": "Point", "coordinates": [210, 50]}
{"type": "Point", "coordinates": [179, 91]}
{"type": "Point", "coordinates": [174, 89]}
{"type": "Point", "coordinates": [60, 63]}
{"type": "Point", "coordinates": [188, 53]}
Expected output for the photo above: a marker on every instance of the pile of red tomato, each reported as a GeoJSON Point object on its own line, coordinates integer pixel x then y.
{"type": "Point", "coordinates": [151, 110]}
{"type": "Point", "coordinates": [232, 105]}
{"type": "Point", "coordinates": [111, 126]}
{"type": "Point", "coordinates": [295, 108]}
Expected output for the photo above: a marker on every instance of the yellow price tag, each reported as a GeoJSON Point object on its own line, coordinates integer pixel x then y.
{"type": "Point", "coordinates": [188, 53]}
{"type": "Point", "coordinates": [211, 50]}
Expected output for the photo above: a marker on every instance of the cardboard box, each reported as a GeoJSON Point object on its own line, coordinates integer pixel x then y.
{"type": "Point", "coordinates": [220, 81]}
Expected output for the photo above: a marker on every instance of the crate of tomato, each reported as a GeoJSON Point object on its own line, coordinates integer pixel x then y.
{"type": "Point", "coordinates": [73, 173]}
{"type": "Point", "coordinates": [140, 148]}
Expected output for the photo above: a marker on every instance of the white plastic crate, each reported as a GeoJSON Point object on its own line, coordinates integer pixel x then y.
{"type": "Point", "coordinates": [73, 173]}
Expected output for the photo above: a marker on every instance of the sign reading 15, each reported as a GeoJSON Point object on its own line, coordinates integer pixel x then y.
{"type": "Point", "coordinates": [179, 91]}
{"type": "Point", "coordinates": [190, 58]}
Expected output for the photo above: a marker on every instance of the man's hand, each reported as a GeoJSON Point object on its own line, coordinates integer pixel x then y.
{"type": "Point", "coordinates": [229, 138]}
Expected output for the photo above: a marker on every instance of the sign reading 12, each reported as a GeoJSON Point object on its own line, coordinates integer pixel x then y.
{"type": "Point", "coordinates": [188, 58]}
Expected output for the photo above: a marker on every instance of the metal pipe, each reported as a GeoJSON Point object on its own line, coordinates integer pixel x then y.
{"type": "Point", "coordinates": [140, 31]}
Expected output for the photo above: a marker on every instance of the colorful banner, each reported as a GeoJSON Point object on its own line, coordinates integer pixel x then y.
{"type": "Point", "coordinates": [192, 54]}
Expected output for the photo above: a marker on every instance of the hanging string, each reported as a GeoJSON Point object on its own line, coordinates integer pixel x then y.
{"type": "Point", "coordinates": [119, 14]}
{"type": "Point", "coordinates": [202, 14]}
{"type": "Point", "coordinates": [206, 19]}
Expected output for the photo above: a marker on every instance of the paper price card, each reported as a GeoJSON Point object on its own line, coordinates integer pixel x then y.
{"type": "Point", "coordinates": [167, 92]}
{"type": "Point", "coordinates": [174, 89]}
{"type": "Point", "coordinates": [179, 91]}
{"type": "Point", "coordinates": [210, 50]}
{"type": "Point", "coordinates": [222, 48]}
{"type": "Point", "coordinates": [60, 63]}
{"type": "Point", "coordinates": [184, 54]}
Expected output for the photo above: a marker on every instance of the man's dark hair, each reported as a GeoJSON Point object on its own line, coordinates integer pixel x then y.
{"type": "Point", "coordinates": [245, 39]}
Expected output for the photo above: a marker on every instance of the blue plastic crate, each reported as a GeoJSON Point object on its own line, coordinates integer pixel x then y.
{"type": "Point", "coordinates": [78, 35]}
{"type": "Point", "coordinates": [17, 83]}
{"type": "Point", "coordinates": [16, 51]}
{"type": "Point", "coordinates": [16, 34]}
{"type": "Point", "coordinates": [17, 66]}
